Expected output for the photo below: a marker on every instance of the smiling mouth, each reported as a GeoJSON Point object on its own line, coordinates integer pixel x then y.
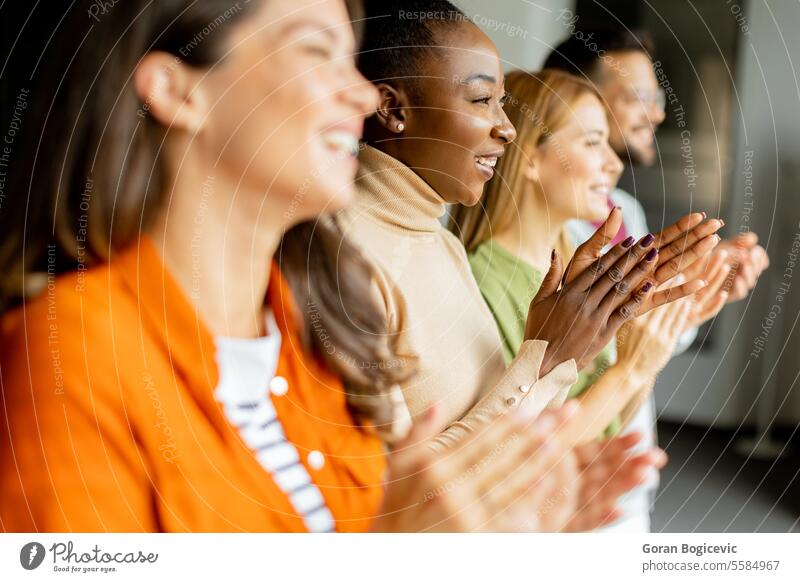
{"type": "Point", "coordinates": [343, 143]}
{"type": "Point", "coordinates": [485, 165]}
{"type": "Point", "coordinates": [601, 190]}
{"type": "Point", "coordinates": [487, 161]}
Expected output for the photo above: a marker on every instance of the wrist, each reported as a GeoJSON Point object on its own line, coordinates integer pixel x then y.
{"type": "Point", "coordinates": [638, 374]}
{"type": "Point", "coordinates": [548, 362]}
{"type": "Point", "coordinates": [644, 377]}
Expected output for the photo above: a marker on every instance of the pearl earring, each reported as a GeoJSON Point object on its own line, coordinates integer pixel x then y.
{"type": "Point", "coordinates": [401, 126]}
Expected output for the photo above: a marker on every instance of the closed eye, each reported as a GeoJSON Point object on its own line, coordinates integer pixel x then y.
{"type": "Point", "coordinates": [318, 51]}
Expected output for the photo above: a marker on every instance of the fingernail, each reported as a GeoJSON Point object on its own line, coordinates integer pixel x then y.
{"type": "Point", "coordinates": [627, 242]}
{"type": "Point", "coordinates": [721, 223]}
{"type": "Point", "coordinates": [553, 255]}
{"type": "Point", "coordinates": [647, 287]}
{"type": "Point", "coordinates": [652, 254]}
{"type": "Point", "coordinates": [704, 215]}
{"type": "Point", "coordinates": [647, 241]}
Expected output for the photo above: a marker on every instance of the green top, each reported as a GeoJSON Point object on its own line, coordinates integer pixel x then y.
{"type": "Point", "coordinates": [508, 284]}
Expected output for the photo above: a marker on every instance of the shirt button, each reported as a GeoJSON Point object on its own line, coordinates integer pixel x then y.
{"type": "Point", "coordinates": [278, 386]}
{"type": "Point", "coordinates": [316, 460]}
{"type": "Point", "coordinates": [525, 388]}
{"type": "Point", "coordinates": [511, 401]}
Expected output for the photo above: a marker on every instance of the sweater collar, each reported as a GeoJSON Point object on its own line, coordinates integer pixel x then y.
{"type": "Point", "coordinates": [391, 192]}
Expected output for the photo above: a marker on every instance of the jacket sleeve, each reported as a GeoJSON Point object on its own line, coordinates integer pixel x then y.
{"type": "Point", "coordinates": [68, 459]}
{"type": "Point", "coordinates": [519, 387]}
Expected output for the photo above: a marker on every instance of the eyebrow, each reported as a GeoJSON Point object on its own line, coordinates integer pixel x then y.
{"type": "Point", "coordinates": [480, 77]}
{"type": "Point", "coordinates": [316, 25]}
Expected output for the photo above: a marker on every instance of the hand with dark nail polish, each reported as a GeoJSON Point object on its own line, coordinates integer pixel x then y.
{"type": "Point", "coordinates": [680, 246]}
{"type": "Point", "coordinates": [598, 295]}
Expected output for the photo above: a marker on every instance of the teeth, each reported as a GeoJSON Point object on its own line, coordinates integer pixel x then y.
{"type": "Point", "coordinates": [490, 162]}
{"type": "Point", "coordinates": [345, 143]}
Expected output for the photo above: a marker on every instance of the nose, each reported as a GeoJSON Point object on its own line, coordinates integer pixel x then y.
{"type": "Point", "coordinates": [503, 129]}
{"type": "Point", "coordinates": [613, 165]}
{"type": "Point", "coordinates": [361, 94]}
{"type": "Point", "coordinates": [656, 114]}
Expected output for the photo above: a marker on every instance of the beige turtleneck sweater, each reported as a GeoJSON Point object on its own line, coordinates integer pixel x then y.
{"type": "Point", "coordinates": [433, 301]}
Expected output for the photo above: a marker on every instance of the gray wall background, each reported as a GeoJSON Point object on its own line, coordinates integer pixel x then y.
{"type": "Point", "coordinates": [523, 31]}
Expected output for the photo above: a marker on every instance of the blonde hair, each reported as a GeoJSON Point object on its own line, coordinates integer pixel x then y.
{"type": "Point", "coordinates": [538, 105]}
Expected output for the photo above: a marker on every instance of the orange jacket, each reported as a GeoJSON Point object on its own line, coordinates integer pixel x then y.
{"type": "Point", "coordinates": [108, 420]}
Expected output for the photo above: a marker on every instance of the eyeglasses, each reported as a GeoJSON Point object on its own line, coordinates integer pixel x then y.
{"type": "Point", "coordinates": [657, 98]}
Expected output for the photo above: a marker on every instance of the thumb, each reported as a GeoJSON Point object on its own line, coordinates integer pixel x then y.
{"type": "Point", "coordinates": [551, 279]}
{"type": "Point", "coordinates": [592, 249]}
{"type": "Point", "coordinates": [605, 233]}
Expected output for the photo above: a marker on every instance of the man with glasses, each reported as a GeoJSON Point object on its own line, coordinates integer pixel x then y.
{"type": "Point", "coordinates": [618, 63]}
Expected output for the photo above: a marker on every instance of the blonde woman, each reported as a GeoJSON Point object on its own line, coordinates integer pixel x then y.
{"type": "Point", "coordinates": [560, 168]}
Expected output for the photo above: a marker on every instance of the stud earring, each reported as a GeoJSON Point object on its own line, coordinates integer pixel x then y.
{"type": "Point", "coordinates": [401, 126]}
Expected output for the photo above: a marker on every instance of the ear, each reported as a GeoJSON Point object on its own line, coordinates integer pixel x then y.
{"type": "Point", "coordinates": [169, 92]}
{"type": "Point", "coordinates": [392, 108]}
{"type": "Point", "coordinates": [532, 170]}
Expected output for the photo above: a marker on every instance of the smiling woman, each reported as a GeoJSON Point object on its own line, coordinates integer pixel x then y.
{"type": "Point", "coordinates": [205, 121]}
{"type": "Point", "coordinates": [440, 78]}
{"type": "Point", "coordinates": [438, 129]}
{"type": "Point", "coordinates": [435, 138]}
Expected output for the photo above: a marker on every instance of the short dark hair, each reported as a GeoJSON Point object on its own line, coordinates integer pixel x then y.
{"type": "Point", "coordinates": [580, 54]}
{"type": "Point", "coordinates": [398, 34]}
